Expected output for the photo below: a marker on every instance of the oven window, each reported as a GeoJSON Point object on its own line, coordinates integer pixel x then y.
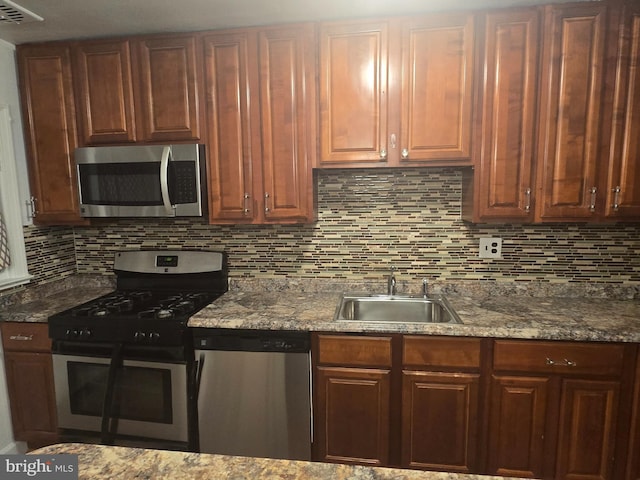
{"type": "Point", "coordinates": [141, 394]}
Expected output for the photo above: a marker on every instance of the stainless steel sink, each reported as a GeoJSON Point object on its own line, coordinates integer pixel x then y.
{"type": "Point", "coordinates": [396, 309]}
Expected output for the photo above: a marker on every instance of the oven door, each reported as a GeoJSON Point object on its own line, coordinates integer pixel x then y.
{"type": "Point", "coordinates": [150, 398]}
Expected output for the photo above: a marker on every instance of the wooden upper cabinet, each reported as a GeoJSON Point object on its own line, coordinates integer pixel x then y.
{"type": "Point", "coordinates": [48, 111]}
{"type": "Point", "coordinates": [572, 67]}
{"type": "Point", "coordinates": [354, 93]}
{"type": "Point", "coordinates": [166, 73]}
{"type": "Point", "coordinates": [230, 84]}
{"type": "Point", "coordinates": [397, 92]}
{"type": "Point", "coordinates": [288, 120]}
{"type": "Point", "coordinates": [104, 92]}
{"type": "Point", "coordinates": [437, 88]}
{"type": "Point", "coordinates": [505, 153]}
{"type": "Point", "coordinates": [260, 97]}
{"type": "Point", "coordinates": [623, 191]}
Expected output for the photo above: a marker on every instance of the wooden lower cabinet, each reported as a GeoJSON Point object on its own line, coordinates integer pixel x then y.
{"type": "Point", "coordinates": [29, 374]}
{"type": "Point", "coordinates": [558, 409]}
{"type": "Point", "coordinates": [353, 411]}
{"type": "Point", "coordinates": [440, 420]}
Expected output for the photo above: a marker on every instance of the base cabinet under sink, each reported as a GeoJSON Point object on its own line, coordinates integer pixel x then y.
{"type": "Point", "coordinates": [393, 400]}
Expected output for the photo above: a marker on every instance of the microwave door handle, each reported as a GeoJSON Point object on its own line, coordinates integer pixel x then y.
{"type": "Point", "coordinates": [164, 180]}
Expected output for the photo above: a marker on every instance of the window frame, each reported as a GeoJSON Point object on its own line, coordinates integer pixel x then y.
{"type": "Point", "coordinates": [17, 273]}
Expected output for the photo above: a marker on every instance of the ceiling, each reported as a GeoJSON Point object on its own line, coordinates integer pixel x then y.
{"type": "Point", "coordinates": [70, 19]}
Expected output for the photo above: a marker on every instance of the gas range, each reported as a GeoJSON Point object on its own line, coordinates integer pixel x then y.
{"type": "Point", "coordinates": [156, 293]}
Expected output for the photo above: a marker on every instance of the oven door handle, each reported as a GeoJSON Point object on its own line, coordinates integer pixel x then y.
{"type": "Point", "coordinates": [164, 180]}
{"type": "Point", "coordinates": [109, 429]}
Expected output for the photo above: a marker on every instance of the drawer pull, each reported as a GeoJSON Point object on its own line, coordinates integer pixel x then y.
{"type": "Point", "coordinates": [563, 363]}
{"type": "Point", "coordinates": [22, 338]}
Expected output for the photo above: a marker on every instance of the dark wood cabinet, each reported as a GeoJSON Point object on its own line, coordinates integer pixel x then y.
{"type": "Point", "coordinates": [502, 185]}
{"type": "Point", "coordinates": [409, 401]}
{"type": "Point", "coordinates": [49, 116]}
{"type": "Point", "coordinates": [104, 92]}
{"type": "Point", "coordinates": [396, 92]}
{"type": "Point", "coordinates": [29, 374]}
{"type": "Point", "coordinates": [352, 398]}
{"type": "Point", "coordinates": [556, 409]}
{"type": "Point", "coordinates": [569, 118]}
{"type": "Point", "coordinates": [260, 93]}
{"type": "Point", "coordinates": [633, 457]}
{"type": "Point", "coordinates": [168, 97]}
{"type": "Point", "coordinates": [623, 187]}
{"type": "Point", "coordinates": [440, 403]}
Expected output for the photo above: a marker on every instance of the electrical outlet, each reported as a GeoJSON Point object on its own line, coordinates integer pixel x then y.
{"type": "Point", "coordinates": [491, 247]}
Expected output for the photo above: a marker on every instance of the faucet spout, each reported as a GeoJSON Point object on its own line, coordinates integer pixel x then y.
{"type": "Point", "coordinates": [391, 283]}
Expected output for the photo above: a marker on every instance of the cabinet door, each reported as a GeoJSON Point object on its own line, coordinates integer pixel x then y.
{"type": "Point", "coordinates": [352, 415]}
{"type": "Point", "coordinates": [623, 192]}
{"type": "Point", "coordinates": [104, 92]}
{"type": "Point", "coordinates": [588, 415]}
{"type": "Point", "coordinates": [32, 397]}
{"type": "Point", "coordinates": [440, 421]}
{"type": "Point", "coordinates": [233, 113]}
{"type": "Point", "coordinates": [504, 180]}
{"type": "Point", "coordinates": [168, 98]}
{"type": "Point", "coordinates": [48, 111]}
{"type": "Point", "coordinates": [437, 88]}
{"type": "Point", "coordinates": [571, 85]}
{"type": "Point", "coordinates": [353, 93]}
{"type": "Point", "coordinates": [517, 426]}
{"type": "Point", "coordinates": [287, 106]}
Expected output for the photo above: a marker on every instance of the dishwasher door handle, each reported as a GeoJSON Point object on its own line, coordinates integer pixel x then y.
{"type": "Point", "coordinates": [199, 367]}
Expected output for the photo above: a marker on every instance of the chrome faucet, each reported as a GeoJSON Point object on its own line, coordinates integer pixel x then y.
{"type": "Point", "coordinates": [391, 282]}
{"type": "Point", "coordinates": [425, 288]}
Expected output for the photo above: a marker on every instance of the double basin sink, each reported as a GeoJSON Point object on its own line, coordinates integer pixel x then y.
{"type": "Point", "coordinates": [395, 309]}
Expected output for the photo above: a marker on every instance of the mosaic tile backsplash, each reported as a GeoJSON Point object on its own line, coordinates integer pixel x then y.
{"type": "Point", "coordinates": [369, 220]}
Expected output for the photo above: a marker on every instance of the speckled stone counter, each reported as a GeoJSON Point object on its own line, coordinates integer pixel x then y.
{"type": "Point", "coordinates": [96, 462]}
{"type": "Point", "coordinates": [553, 318]}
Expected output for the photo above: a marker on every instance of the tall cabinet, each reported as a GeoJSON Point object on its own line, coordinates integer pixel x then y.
{"type": "Point", "coordinates": [48, 111]}
{"type": "Point", "coordinates": [260, 94]}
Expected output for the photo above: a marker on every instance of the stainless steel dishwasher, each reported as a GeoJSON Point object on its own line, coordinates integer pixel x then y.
{"type": "Point", "coordinates": [254, 394]}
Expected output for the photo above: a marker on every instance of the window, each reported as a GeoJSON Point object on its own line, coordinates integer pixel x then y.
{"type": "Point", "coordinates": [16, 272]}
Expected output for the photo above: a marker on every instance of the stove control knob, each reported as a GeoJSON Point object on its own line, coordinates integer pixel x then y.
{"type": "Point", "coordinates": [140, 336]}
{"type": "Point", "coordinates": [85, 334]}
{"type": "Point", "coordinates": [71, 334]}
{"type": "Point", "coordinates": [154, 337]}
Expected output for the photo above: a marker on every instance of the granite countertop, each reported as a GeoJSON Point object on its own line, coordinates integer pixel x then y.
{"type": "Point", "coordinates": [552, 318]}
{"type": "Point", "coordinates": [97, 462]}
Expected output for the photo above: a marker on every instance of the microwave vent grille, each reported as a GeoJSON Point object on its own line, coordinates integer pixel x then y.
{"type": "Point", "coordinates": [15, 14]}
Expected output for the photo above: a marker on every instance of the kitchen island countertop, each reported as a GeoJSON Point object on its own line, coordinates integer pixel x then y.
{"type": "Point", "coordinates": [551, 318]}
{"type": "Point", "coordinates": [96, 462]}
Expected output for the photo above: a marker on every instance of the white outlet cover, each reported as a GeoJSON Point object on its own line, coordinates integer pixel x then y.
{"type": "Point", "coordinates": [491, 247]}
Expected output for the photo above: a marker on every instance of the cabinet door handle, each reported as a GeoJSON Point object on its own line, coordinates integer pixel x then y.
{"type": "Point", "coordinates": [563, 363]}
{"type": "Point", "coordinates": [616, 198]}
{"type": "Point", "coordinates": [31, 207]}
{"type": "Point", "coordinates": [246, 204]}
{"type": "Point", "coordinates": [592, 206]}
{"type": "Point", "coordinates": [527, 202]}
{"type": "Point", "coordinates": [21, 338]}
{"type": "Point", "coordinates": [405, 153]}
{"type": "Point", "coordinates": [266, 203]}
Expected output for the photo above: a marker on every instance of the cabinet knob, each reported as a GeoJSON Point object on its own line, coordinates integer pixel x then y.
{"type": "Point", "coordinates": [405, 153]}
{"type": "Point", "coordinates": [383, 154]}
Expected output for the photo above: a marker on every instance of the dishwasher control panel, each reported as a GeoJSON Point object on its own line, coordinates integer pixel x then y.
{"type": "Point", "coordinates": [251, 340]}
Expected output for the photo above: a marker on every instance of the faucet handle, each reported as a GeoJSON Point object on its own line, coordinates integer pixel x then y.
{"type": "Point", "coordinates": [425, 287]}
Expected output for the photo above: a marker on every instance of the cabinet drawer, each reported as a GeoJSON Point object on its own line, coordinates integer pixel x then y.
{"type": "Point", "coordinates": [558, 357]}
{"type": "Point", "coordinates": [348, 350]}
{"type": "Point", "coordinates": [25, 337]}
{"type": "Point", "coordinates": [420, 351]}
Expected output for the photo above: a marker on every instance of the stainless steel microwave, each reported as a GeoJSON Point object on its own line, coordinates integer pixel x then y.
{"type": "Point", "coordinates": [142, 181]}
